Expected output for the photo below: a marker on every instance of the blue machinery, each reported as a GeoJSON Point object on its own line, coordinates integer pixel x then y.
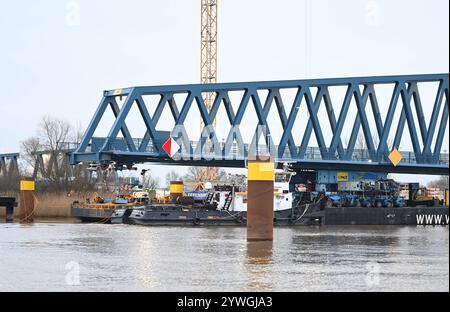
{"type": "Point", "coordinates": [425, 156]}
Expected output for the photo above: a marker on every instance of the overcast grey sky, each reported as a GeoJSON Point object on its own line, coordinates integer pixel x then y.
{"type": "Point", "coordinates": [58, 56]}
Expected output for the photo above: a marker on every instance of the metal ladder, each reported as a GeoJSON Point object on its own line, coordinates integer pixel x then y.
{"type": "Point", "coordinates": [228, 202]}
{"type": "Point", "coordinates": [209, 198]}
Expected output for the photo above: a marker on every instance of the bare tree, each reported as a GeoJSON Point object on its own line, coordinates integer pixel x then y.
{"type": "Point", "coordinates": [55, 133]}
{"type": "Point", "coordinates": [441, 183]}
{"type": "Point", "coordinates": [172, 176]}
{"type": "Point", "coordinates": [237, 179]}
{"type": "Point", "coordinates": [149, 182]}
{"type": "Point", "coordinates": [195, 174]}
{"type": "Point", "coordinates": [46, 155]}
{"type": "Point", "coordinates": [222, 175]}
{"type": "Point", "coordinates": [29, 149]}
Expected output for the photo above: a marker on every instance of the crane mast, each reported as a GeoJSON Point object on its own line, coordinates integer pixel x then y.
{"type": "Point", "coordinates": [208, 56]}
{"type": "Point", "coordinates": [208, 64]}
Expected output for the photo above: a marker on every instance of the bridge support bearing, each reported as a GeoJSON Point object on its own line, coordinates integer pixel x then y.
{"type": "Point", "coordinates": [260, 202]}
{"type": "Point", "coordinates": [27, 200]}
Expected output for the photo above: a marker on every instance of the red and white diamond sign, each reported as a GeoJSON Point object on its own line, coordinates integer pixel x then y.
{"type": "Point", "coordinates": [171, 147]}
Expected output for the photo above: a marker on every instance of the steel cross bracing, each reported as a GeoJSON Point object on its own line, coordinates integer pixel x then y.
{"type": "Point", "coordinates": [425, 155]}
{"type": "Point", "coordinates": [8, 165]}
{"type": "Point", "coordinates": [53, 163]}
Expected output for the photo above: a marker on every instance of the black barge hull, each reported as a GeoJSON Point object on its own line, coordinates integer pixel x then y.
{"type": "Point", "coordinates": [216, 218]}
{"type": "Point", "coordinates": [386, 216]}
{"type": "Point", "coordinates": [176, 216]}
{"type": "Point", "coordinates": [314, 216]}
{"type": "Point", "coordinates": [92, 215]}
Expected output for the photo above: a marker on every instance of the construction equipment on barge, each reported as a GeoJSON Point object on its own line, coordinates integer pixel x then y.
{"type": "Point", "coordinates": [224, 205]}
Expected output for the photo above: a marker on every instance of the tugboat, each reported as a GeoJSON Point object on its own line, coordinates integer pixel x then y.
{"type": "Point", "coordinates": [224, 205]}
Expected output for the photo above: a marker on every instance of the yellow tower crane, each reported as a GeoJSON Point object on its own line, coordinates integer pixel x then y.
{"type": "Point", "coordinates": [208, 67]}
{"type": "Point", "coordinates": [208, 55]}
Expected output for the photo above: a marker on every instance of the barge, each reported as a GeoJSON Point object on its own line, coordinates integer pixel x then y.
{"type": "Point", "coordinates": [157, 215]}
{"type": "Point", "coordinates": [227, 206]}
{"type": "Point", "coordinates": [185, 213]}
{"type": "Point", "coordinates": [313, 214]}
{"type": "Point", "coordinates": [176, 215]}
{"type": "Point", "coordinates": [101, 210]}
{"type": "Point", "coordinates": [386, 216]}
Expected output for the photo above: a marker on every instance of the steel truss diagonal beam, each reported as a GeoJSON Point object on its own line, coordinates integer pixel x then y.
{"type": "Point", "coordinates": [9, 166]}
{"type": "Point", "coordinates": [56, 163]}
{"type": "Point", "coordinates": [404, 106]}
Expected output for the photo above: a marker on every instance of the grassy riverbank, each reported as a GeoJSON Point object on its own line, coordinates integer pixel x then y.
{"type": "Point", "coordinates": [47, 206]}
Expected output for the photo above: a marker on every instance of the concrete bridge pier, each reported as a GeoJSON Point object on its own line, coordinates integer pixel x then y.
{"type": "Point", "coordinates": [260, 202]}
{"type": "Point", "coordinates": [27, 200]}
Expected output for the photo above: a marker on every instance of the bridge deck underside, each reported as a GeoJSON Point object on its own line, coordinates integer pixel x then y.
{"type": "Point", "coordinates": [237, 162]}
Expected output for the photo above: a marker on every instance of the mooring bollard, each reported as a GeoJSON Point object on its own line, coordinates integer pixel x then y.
{"type": "Point", "coordinates": [26, 201]}
{"type": "Point", "coordinates": [260, 202]}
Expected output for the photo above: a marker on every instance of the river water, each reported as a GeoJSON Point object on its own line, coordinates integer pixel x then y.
{"type": "Point", "coordinates": [52, 256]}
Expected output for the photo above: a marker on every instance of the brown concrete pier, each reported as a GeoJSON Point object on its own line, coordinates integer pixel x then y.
{"type": "Point", "coordinates": [27, 200]}
{"type": "Point", "coordinates": [260, 202]}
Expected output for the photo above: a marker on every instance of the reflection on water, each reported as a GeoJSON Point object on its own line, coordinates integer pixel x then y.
{"type": "Point", "coordinates": [258, 265]}
{"type": "Point", "coordinates": [144, 271]}
{"type": "Point", "coordinates": [131, 258]}
{"type": "Point", "coordinates": [259, 253]}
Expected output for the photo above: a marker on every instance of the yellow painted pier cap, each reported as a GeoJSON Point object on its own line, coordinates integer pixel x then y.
{"type": "Point", "coordinates": [27, 185]}
{"type": "Point", "coordinates": [261, 171]}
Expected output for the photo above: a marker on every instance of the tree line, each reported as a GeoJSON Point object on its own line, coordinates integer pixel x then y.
{"type": "Point", "coordinates": [44, 158]}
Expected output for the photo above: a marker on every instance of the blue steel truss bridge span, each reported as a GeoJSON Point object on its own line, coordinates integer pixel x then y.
{"type": "Point", "coordinates": [370, 121]}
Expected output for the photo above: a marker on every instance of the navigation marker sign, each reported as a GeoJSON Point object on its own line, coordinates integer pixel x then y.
{"type": "Point", "coordinates": [171, 147]}
{"type": "Point", "coordinates": [395, 157]}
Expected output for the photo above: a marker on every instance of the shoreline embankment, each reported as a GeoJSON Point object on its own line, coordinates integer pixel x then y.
{"type": "Point", "coordinates": [47, 205]}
